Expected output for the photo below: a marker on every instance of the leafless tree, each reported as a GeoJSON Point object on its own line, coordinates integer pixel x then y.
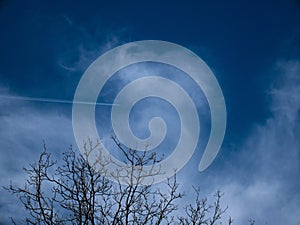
{"type": "Point", "coordinates": [73, 192]}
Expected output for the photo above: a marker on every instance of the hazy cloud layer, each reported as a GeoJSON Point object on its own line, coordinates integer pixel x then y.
{"type": "Point", "coordinates": [263, 182]}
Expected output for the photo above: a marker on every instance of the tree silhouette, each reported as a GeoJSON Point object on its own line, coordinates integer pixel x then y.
{"type": "Point", "coordinates": [73, 192]}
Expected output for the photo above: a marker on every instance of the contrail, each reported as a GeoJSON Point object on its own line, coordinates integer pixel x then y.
{"type": "Point", "coordinates": [53, 100]}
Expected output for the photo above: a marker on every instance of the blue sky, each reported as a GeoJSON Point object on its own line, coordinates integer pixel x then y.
{"type": "Point", "coordinates": [251, 46]}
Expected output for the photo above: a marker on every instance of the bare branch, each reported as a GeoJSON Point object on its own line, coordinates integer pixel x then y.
{"type": "Point", "coordinates": [74, 192]}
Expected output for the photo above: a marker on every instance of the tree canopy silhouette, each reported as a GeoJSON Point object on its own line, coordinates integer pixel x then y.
{"type": "Point", "coordinates": [73, 192]}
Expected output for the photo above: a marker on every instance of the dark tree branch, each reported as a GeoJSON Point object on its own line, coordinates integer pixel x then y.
{"type": "Point", "coordinates": [73, 192]}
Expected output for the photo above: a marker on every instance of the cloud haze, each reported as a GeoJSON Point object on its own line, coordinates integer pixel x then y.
{"type": "Point", "coordinates": [262, 181]}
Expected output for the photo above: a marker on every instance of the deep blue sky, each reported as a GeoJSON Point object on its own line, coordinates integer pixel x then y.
{"type": "Point", "coordinates": [253, 47]}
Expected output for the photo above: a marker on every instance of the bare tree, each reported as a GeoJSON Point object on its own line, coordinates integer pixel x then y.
{"type": "Point", "coordinates": [72, 192]}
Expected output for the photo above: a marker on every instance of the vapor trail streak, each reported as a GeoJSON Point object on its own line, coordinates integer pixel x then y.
{"type": "Point", "coordinates": [52, 100]}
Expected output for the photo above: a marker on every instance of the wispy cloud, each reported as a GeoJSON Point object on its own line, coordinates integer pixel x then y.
{"type": "Point", "coordinates": [23, 129]}
{"type": "Point", "coordinates": [263, 181]}
{"type": "Point", "coordinates": [86, 47]}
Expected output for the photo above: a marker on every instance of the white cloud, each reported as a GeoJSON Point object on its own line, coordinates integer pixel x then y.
{"type": "Point", "coordinates": [23, 129]}
{"type": "Point", "coordinates": [266, 184]}
{"type": "Point", "coordinates": [87, 48]}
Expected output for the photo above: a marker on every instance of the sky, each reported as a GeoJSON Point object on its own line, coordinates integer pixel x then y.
{"type": "Point", "coordinates": [252, 47]}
